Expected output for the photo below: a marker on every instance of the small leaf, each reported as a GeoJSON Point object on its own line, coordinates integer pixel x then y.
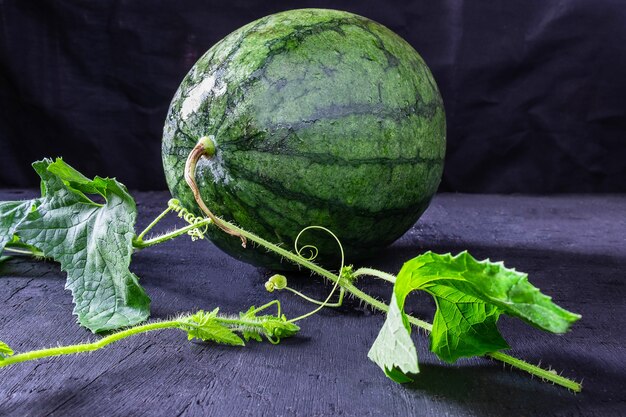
{"type": "Point", "coordinates": [250, 333]}
{"type": "Point", "coordinates": [278, 328]}
{"type": "Point", "coordinates": [205, 327]}
{"type": "Point", "coordinates": [274, 328]}
{"type": "Point", "coordinates": [91, 241]}
{"type": "Point", "coordinates": [78, 181]}
{"type": "Point", "coordinates": [5, 351]}
{"type": "Point", "coordinates": [250, 314]}
{"type": "Point", "coordinates": [470, 296]}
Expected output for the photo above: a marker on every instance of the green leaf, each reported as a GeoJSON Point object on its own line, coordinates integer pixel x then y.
{"type": "Point", "coordinates": [491, 282]}
{"type": "Point", "coordinates": [393, 350]}
{"type": "Point", "coordinates": [12, 214]}
{"type": "Point", "coordinates": [78, 181]}
{"type": "Point", "coordinates": [464, 326]}
{"type": "Point", "coordinates": [91, 241]}
{"type": "Point", "coordinates": [5, 351]}
{"type": "Point", "coordinates": [470, 296]}
{"type": "Point", "coordinates": [275, 328]}
{"type": "Point", "coordinates": [204, 326]}
{"type": "Point", "coordinates": [278, 328]}
{"type": "Point", "coordinates": [250, 333]}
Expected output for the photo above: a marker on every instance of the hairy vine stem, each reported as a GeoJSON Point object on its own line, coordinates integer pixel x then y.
{"type": "Point", "coordinates": [378, 305]}
{"type": "Point", "coordinates": [139, 243]}
{"type": "Point", "coordinates": [182, 323]}
{"type": "Point", "coordinates": [32, 252]}
{"type": "Point", "coordinates": [87, 347]}
{"type": "Point", "coordinates": [23, 249]}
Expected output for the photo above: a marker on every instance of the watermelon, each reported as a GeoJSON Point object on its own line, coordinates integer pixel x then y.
{"type": "Point", "coordinates": [319, 117]}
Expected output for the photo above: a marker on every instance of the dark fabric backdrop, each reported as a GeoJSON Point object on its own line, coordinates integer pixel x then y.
{"type": "Point", "coordinates": [534, 90]}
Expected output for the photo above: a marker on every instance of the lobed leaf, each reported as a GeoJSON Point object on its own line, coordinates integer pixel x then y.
{"type": "Point", "coordinates": [204, 326]}
{"type": "Point", "coordinates": [91, 241]}
{"type": "Point", "coordinates": [470, 296]}
{"type": "Point", "coordinates": [250, 333]}
{"type": "Point", "coordinates": [275, 328]}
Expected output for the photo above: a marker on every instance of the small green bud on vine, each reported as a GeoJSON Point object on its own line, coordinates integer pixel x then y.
{"type": "Point", "coordinates": [347, 274]}
{"type": "Point", "coordinates": [276, 282]}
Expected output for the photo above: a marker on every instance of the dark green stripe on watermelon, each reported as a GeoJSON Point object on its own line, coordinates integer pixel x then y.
{"type": "Point", "coordinates": [320, 117]}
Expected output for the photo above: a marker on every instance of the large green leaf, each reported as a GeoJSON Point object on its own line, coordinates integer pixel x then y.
{"type": "Point", "coordinates": [470, 296]}
{"type": "Point", "coordinates": [92, 241]}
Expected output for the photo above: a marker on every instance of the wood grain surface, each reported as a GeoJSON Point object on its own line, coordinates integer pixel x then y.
{"type": "Point", "coordinates": [573, 247]}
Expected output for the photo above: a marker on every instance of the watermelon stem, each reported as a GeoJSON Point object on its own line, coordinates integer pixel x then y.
{"type": "Point", "coordinates": [141, 244]}
{"type": "Point", "coordinates": [345, 283]}
{"type": "Point", "coordinates": [205, 148]}
{"type": "Point", "coordinates": [24, 251]}
{"type": "Point", "coordinates": [272, 327]}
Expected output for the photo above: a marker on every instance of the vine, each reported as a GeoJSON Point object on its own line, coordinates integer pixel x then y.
{"type": "Point", "coordinates": [64, 199]}
{"type": "Point", "coordinates": [205, 326]}
{"type": "Point", "coordinates": [206, 148]}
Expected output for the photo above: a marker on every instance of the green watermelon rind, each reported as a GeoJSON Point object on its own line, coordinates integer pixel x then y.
{"type": "Point", "coordinates": [319, 117]}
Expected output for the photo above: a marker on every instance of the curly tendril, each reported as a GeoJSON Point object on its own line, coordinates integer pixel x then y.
{"type": "Point", "coordinates": [314, 252]}
{"type": "Point", "coordinates": [190, 218]}
{"type": "Point", "coordinates": [312, 248]}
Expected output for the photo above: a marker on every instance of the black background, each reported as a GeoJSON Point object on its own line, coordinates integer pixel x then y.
{"type": "Point", "coordinates": [534, 90]}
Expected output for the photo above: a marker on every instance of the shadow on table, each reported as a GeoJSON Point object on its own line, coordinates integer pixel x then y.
{"type": "Point", "coordinates": [477, 389]}
{"type": "Point", "coordinates": [487, 390]}
{"type": "Point", "coordinates": [490, 390]}
{"type": "Point", "coordinates": [22, 266]}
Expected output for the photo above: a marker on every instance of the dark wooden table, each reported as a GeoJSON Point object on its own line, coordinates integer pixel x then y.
{"type": "Point", "coordinates": [573, 247]}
